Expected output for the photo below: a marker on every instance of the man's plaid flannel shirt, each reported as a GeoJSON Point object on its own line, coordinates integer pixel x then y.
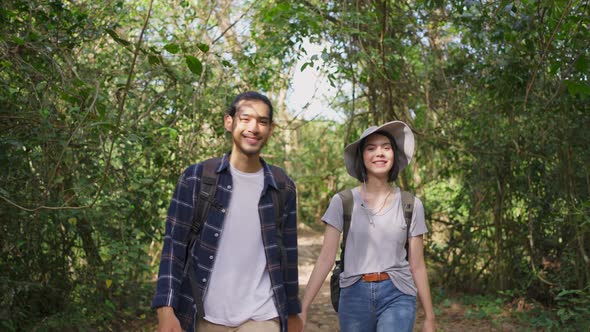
{"type": "Point", "coordinates": [173, 286]}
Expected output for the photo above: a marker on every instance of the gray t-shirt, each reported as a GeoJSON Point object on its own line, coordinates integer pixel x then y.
{"type": "Point", "coordinates": [377, 244]}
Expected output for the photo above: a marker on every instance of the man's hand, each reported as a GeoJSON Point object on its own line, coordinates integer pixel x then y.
{"type": "Point", "coordinates": [429, 325]}
{"type": "Point", "coordinates": [294, 323]}
{"type": "Point", "coordinates": [167, 321]}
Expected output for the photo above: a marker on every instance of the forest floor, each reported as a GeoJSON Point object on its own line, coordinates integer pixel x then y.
{"type": "Point", "coordinates": [452, 313]}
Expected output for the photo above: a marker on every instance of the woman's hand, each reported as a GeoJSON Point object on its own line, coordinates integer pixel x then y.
{"type": "Point", "coordinates": [429, 325]}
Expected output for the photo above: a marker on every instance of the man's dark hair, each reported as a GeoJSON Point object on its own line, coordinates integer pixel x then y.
{"type": "Point", "coordinates": [250, 95]}
{"type": "Point", "coordinates": [359, 165]}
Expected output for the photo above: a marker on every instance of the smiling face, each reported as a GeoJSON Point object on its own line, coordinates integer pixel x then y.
{"type": "Point", "coordinates": [250, 127]}
{"type": "Point", "coordinates": [378, 156]}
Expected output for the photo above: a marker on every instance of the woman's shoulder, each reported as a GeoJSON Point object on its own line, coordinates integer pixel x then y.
{"type": "Point", "coordinates": [342, 192]}
{"type": "Point", "coordinates": [343, 195]}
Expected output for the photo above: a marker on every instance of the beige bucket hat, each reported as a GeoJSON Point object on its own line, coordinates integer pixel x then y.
{"type": "Point", "coordinates": [404, 141]}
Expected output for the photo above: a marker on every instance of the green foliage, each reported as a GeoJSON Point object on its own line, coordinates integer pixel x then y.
{"type": "Point", "coordinates": [316, 163]}
{"type": "Point", "coordinates": [573, 308]}
{"type": "Point", "coordinates": [484, 307]}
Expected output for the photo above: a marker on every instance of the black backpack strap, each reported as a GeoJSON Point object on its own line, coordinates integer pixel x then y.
{"type": "Point", "coordinates": [205, 198]}
{"type": "Point", "coordinates": [347, 204]}
{"type": "Point", "coordinates": [408, 207]}
{"type": "Point", "coordinates": [278, 200]}
{"type": "Point", "coordinates": [206, 195]}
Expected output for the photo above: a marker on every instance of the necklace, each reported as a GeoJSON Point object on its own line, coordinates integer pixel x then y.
{"type": "Point", "coordinates": [371, 212]}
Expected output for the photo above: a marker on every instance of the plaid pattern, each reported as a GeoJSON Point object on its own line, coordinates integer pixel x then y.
{"type": "Point", "coordinates": [173, 286]}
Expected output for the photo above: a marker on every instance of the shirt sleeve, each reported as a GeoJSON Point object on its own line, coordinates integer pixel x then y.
{"type": "Point", "coordinates": [418, 226]}
{"type": "Point", "coordinates": [174, 252]}
{"type": "Point", "coordinates": [292, 277]}
{"type": "Point", "coordinates": [333, 215]}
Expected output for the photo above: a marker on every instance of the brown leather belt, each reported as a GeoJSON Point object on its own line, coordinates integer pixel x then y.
{"type": "Point", "coordinates": [375, 277]}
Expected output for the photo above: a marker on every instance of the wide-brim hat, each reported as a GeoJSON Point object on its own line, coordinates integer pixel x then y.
{"type": "Point", "coordinates": [404, 141]}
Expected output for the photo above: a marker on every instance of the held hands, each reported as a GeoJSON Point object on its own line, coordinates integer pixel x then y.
{"type": "Point", "coordinates": [294, 323]}
{"type": "Point", "coordinates": [303, 317]}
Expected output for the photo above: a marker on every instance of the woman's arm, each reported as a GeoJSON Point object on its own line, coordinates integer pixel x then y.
{"type": "Point", "coordinates": [322, 267]}
{"type": "Point", "coordinates": [418, 268]}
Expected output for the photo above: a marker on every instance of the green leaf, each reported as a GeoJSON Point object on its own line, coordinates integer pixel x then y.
{"type": "Point", "coordinates": [582, 65]}
{"type": "Point", "coordinates": [116, 37]}
{"type": "Point", "coordinates": [172, 48]}
{"type": "Point", "coordinates": [577, 88]}
{"type": "Point", "coordinates": [153, 60]}
{"type": "Point", "coordinates": [194, 64]}
{"type": "Point", "coordinates": [225, 63]}
{"type": "Point", "coordinates": [203, 47]}
{"type": "Point", "coordinates": [33, 36]}
{"type": "Point", "coordinates": [18, 40]}
{"type": "Point", "coordinates": [154, 50]}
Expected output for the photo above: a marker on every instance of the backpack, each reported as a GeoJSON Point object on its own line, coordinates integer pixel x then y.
{"type": "Point", "coordinates": [206, 198]}
{"type": "Point", "coordinates": [347, 204]}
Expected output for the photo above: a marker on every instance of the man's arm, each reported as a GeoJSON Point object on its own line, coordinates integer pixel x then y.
{"type": "Point", "coordinates": [173, 257]}
{"type": "Point", "coordinates": [290, 243]}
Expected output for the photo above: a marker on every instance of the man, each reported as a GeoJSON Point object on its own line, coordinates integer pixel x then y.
{"type": "Point", "coordinates": [237, 259]}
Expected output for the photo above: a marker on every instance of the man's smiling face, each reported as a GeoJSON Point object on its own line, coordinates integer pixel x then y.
{"type": "Point", "coordinates": [250, 127]}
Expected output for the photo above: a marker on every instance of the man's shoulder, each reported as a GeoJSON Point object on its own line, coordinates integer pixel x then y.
{"type": "Point", "coordinates": [281, 176]}
{"type": "Point", "coordinates": [277, 170]}
{"type": "Point", "coordinates": [195, 170]}
{"type": "Point", "coordinates": [210, 161]}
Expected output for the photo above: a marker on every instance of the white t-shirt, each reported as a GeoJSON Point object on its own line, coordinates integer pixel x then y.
{"type": "Point", "coordinates": [239, 288]}
{"type": "Point", "coordinates": [377, 246]}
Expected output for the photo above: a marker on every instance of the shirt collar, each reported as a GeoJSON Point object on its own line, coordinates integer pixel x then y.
{"type": "Point", "coordinates": [269, 179]}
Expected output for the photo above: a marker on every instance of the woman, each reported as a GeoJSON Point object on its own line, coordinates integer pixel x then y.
{"type": "Point", "coordinates": [378, 285]}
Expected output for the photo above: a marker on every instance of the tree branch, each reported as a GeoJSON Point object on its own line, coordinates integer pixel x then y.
{"type": "Point", "coordinates": [320, 12]}
{"type": "Point", "coordinates": [545, 52]}
{"type": "Point", "coordinates": [122, 104]}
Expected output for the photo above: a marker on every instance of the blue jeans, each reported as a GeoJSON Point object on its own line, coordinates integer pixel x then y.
{"type": "Point", "coordinates": [376, 306]}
